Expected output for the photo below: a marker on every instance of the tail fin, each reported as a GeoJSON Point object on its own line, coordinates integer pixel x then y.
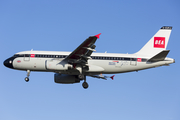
{"type": "Point", "coordinates": [157, 43]}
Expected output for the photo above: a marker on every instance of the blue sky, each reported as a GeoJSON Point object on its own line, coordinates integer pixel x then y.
{"type": "Point", "coordinates": [152, 94]}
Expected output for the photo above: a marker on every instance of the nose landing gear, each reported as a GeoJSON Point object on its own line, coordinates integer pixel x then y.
{"type": "Point", "coordinates": [26, 79]}
{"type": "Point", "coordinates": [28, 74]}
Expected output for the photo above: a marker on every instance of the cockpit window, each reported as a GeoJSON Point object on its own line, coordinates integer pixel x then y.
{"type": "Point", "coordinates": [15, 55]}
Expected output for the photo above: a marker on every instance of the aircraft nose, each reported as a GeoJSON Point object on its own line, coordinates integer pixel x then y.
{"type": "Point", "coordinates": [8, 63]}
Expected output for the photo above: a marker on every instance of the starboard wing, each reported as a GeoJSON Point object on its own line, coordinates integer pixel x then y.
{"type": "Point", "coordinates": [83, 52]}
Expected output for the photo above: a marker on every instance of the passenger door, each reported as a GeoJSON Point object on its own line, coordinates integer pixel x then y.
{"type": "Point", "coordinates": [133, 61]}
{"type": "Point", "coordinates": [26, 57]}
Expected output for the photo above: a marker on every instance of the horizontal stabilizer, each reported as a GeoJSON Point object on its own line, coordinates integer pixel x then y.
{"type": "Point", "coordinates": [159, 57]}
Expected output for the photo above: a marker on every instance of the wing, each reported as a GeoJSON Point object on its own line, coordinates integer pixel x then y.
{"type": "Point", "coordinates": [82, 53]}
{"type": "Point", "coordinates": [103, 77]}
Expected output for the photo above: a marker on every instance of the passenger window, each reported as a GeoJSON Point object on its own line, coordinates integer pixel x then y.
{"type": "Point", "coordinates": [26, 55]}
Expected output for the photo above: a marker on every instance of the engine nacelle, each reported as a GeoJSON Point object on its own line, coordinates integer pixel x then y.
{"type": "Point", "coordinates": [65, 79]}
{"type": "Point", "coordinates": [57, 65]}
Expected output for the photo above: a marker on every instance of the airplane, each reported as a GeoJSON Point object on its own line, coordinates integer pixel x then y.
{"type": "Point", "coordinates": [73, 67]}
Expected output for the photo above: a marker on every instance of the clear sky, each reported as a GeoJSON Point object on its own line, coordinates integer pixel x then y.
{"type": "Point", "coordinates": [62, 25]}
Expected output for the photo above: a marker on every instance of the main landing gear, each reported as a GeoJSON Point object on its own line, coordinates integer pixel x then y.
{"type": "Point", "coordinates": [28, 74]}
{"type": "Point", "coordinates": [84, 84]}
{"type": "Point", "coordinates": [82, 77]}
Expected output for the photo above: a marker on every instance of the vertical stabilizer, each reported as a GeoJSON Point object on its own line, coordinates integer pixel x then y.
{"type": "Point", "coordinates": [157, 43]}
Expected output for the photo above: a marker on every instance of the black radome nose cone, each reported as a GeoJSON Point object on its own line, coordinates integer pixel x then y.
{"type": "Point", "coordinates": [8, 63]}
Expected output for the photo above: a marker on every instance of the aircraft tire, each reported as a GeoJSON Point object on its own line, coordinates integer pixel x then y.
{"type": "Point", "coordinates": [81, 76]}
{"type": "Point", "coordinates": [85, 85]}
{"type": "Point", "coordinates": [26, 79]}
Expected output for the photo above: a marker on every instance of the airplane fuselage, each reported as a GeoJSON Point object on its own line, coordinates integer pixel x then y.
{"type": "Point", "coordinates": [100, 63]}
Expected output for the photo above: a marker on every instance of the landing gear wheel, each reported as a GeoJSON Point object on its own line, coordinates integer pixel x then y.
{"type": "Point", "coordinates": [28, 74]}
{"type": "Point", "coordinates": [26, 79]}
{"type": "Point", "coordinates": [85, 85]}
{"type": "Point", "coordinates": [81, 77]}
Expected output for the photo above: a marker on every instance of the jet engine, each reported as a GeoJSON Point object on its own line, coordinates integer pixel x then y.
{"type": "Point", "coordinates": [65, 79]}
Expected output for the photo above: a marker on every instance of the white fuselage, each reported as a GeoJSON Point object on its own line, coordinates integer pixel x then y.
{"type": "Point", "coordinates": [105, 63]}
